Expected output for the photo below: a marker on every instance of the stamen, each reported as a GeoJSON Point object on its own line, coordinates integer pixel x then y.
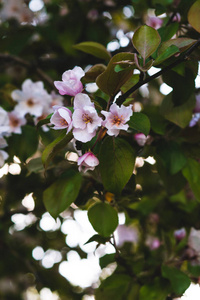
{"type": "Point", "coordinates": [117, 120]}
{"type": "Point", "coordinates": [63, 122]}
{"type": "Point", "coordinates": [30, 102]}
{"type": "Point", "coordinates": [87, 119]}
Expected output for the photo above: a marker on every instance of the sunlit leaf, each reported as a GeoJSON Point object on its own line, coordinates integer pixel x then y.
{"type": "Point", "coordinates": [103, 218]}
{"type": "Point", "coordinates": [53, 148]}
{"type": "Point", "coordinates": [193, 15]}
{"type": "Point", "coordinates": [167, 53]}
{"type": "Point", "coordinates": [94, 48]}
{"type": "Point", "coordinates": [146, 40]}
{"type": "Point", "coordinates": [110, 81]}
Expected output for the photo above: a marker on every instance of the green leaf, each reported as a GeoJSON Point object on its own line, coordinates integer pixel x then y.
{"type": "Point", "coordinates": [121, 158]}
{"type": "Point", "coordinates": [140, 122]}
{"type": "Point", "coordinates": [192, 173]}
{"type": "Point", "coordinates": [179, 115]}
{"type": "Point", "coordinates": [157, 290]}
{"type": "Point", "coordinates": [182, 44]}
{"type": "Point", "coordinates": [167, 32]}
{"type": "Point", "coordinates": [35, 165]}
{"type": "Point", "coordinates": [94, 49]}
{"type": "Point", "coordinates": [53, 148]}
{"type": "Point", "coordinates": [110, 81]}
{"type": "Point", "coordinates": [167, 53]}
{"type": "Point", "coordinates": [62, 192]}
{"type": "Point", "coordinates": [106, 260]}
{"type": "Point", "coordinates": [98, 238]}
{"type": "Point", "coordinates": [193, 15]}
{"type": "Point", "coordinates": [146, 40]}
{"type": "Point", "coordinates": [104, 218]}
{"type": "Point", "coordinates": [115, 287]}
{"type": "Point", "coordinates": [179, 280]}
{"type": "Point", "coordinates": [94, 72]}
{"type": "Point", "coordinates": [172, 156]}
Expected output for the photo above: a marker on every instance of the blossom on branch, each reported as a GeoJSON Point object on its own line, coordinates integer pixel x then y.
{"type": "Point", "coordinates": [15, 122]}
{"type": "Point", "coordinates": [61, 118]}
{"type": "Point", "coordinates": [88, 161]}
{"type": "Point", "coordinates": [4, 122]}
{"type": "Point", "coordinates": [85, 118]}
{"type": "Point", "coordinates": [117, 118]}
{"type": "Point", "coordinates": [71, 84]}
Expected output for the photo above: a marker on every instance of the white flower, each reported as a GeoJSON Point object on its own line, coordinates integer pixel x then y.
{"type": "Point", "coordinates": [3, 157]}
{"type": "Point", "coordinates": [88, 161]}
{"type": "Point", "coordinates": [16, 9]}
{"type": "Point", "coordinates": [71, 82]}
{"type": "Point", "coordinates": [4, 122]}
{"type": "Point", "coordinates": [31, 99]}
{"type": "Point", "coordinates": [15, 122]}
{"type": "Point", "coordinates": [117, 118]}
{"type": "Point", "coordinates": [85, 118]}
{"type": "Point", "coordinates": [61, 118]}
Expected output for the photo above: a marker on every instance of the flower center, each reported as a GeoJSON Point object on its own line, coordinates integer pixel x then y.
{"type": "Point", "coordinates": [117, 120]}
{"type": "Point", "coordinates": [63, 122]}
{"type": "Point", "coordinates": [30, 102]}
{"type": "Point", "coordinates": [14, 122]}
{"type": "Point", "coordinates": [87, 119]}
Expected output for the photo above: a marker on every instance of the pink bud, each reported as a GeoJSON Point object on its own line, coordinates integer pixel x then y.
{"type": "Point", "coordinates": [88, 161]}
{"type": "Point", "coordinates": [180, 234]}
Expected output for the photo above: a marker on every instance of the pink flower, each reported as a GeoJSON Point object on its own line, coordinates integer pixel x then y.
{"type": "Point", "coordinates": [140, 138]}
{"type": "Point", "coordinates": [152, 242]}
{"type": "Point", "coordinates": [85, 118]}
{"type": "Point", "coordinates": [117, 118]}
{"type": "Point", "coordinates": [88, 161]}
{"type": "Point", "coordinates": [61, 118]}
{"type": "Point", "coordinates": [180, 234]}
{"type": "Point", "coordinates": [154, 22]}
{"type": "Point", "coordinates": [70, 84]}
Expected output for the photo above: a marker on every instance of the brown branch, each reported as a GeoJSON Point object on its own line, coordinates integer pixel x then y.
{"type": "Point", "coordinates": [181, 59]}
{"type": "Point", "coordinates": [30, 66]}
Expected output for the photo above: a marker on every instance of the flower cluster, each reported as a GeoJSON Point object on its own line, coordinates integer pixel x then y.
{"type": "Point", "coordinates": [85, 121]}
{"type": "Point", "coordinates": [34, 100]}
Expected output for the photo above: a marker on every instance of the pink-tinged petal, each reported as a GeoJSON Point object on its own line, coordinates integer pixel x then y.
{"type": "Point", "coordinates": [81, 100]}
{"type": "Point", "coordinates": [17, 95]}
{"type": "Point", "coordinates": [91, 160]}
{"type": "Point", "coordinates": [65, 113]}
{"type": "Point", "coordinates": [78, 120]}
{"type": "Point", "coordinates": [27, 85]}
{"type": "Point", "coordinates": [83, 135]}
{"type": "Point", "coordinates": [78, 71]}
{"type": "Point", "coordinates": [82, 158]}
{"type": "Point", "coordinates": [112, 132]}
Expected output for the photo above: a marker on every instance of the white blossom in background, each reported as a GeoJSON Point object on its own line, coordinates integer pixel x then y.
{"type": "Point", "coordinates": [3, 143]}
{"type": "Point", "coordinates": [15, 122]}
{"type": "Point", "coordinates": [56, 99]}
{"type": "Point", "coordinates": [32, 99]}
{"type": "Point", "coordinates": [4, 122]}
{"type": "Point", "coordinates": [16, 9]}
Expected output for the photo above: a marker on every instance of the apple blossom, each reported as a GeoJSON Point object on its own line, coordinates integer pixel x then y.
{"type": "Point", "coordinates": [117, 118]}
{"type": "Point", "coordinates": [16, 9]}
{"type": "Point", "coordinates": [3, 143]}
{"type": "Point", "coordinates": [126, 234]}
{"type": "Point", "coordinates": [154, 22]}
{"type": "Point", "coordinates": [15, 122]}
{"type": "Point", "coordinates": [31, 99]}
{"type": "Point", "coordinates": [85, 118]}
{"type": "Point", "coordinates": [141, 139]}
{"type": "Point", "coordinates": [71, 84]}
{"type": "Point", "coordinates": [61, 118]}
{"type": "Point", "coordinates": [87, 161]}
{"type": "Point", "coordinates": [180, 234]}
{"type": "Point", "coordinates": [4, 122]}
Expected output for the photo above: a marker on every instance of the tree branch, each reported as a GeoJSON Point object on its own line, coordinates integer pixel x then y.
{"type": "Point", "coordinates": [29, 66]}
{"type": "Point", "coordinates": [181, 59]}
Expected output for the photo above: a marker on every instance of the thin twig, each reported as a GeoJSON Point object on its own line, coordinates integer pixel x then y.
{"type": "Point", "coordinates": [29, 66]}
{"type": "Point", "coordinates": [181, 59]}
